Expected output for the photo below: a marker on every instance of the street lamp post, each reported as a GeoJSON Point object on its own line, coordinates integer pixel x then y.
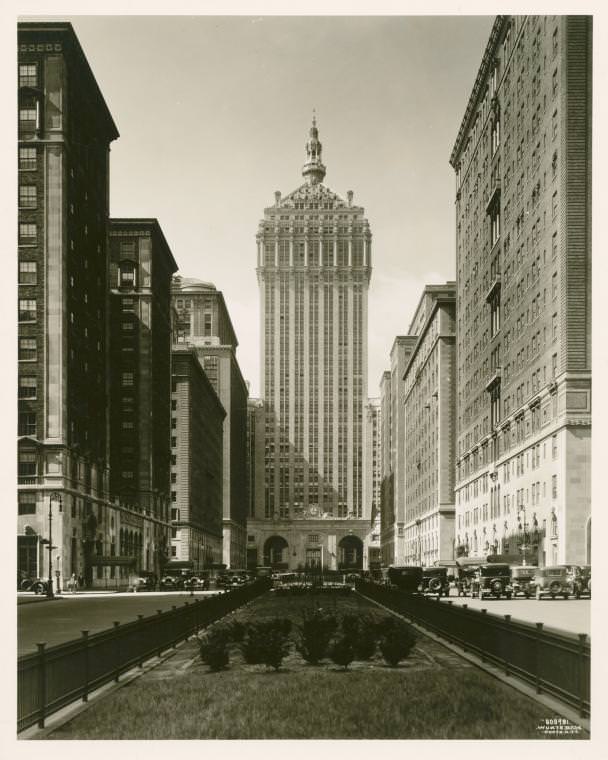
{"type": "Point", "coordinates": [57, 497]}
{"type": "Point", "coordinates": [524, 546]}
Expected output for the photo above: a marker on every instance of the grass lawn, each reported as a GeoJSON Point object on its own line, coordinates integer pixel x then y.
{"type": "Point", "coordinates": [432, 695]}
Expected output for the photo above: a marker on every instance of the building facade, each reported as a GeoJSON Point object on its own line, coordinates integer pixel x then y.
{"type": "Point", "coordinates": [197, 473]}
{"type": "Point", "coordinates": [141, 267]}
{"type": "Point", "coordinates": [522, 160]}
{"type": "Point", "coordinates": [313, 269]}
{"type": "Point", "coordinates": [65, 131]}
{"type": "Point", "coordinates": [430, 429]}
{"type": "Point", "coordinates": [372, 476]}
{"type": "Point", "coordinates": [387, 498]}
{"type": "Point", "coordinates": [394, 492]}
{"type": "Point", "coordinates": [204, 323]}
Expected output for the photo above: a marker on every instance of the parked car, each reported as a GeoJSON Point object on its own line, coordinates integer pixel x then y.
{"type": "Point", "coordinates": [521, 580]}
{"type": "Point", "coordinates": [145, 582]}
{"type": "Point", "coordinates": [555, 580]}
{"type": "Point", "coordinates": [491, 580]}
{"type": "Point", "coordinates": [465, 580]}
{"type": "Point", "coordinates": [37, 585]}
{"type": "Point", "coordinates": [581, 576]}
{"type": "Point", "coordinates": [435, 581]}
{"type": "Point", "coordinates": [405, 577]}
{"type": "Point", "coordinates": [171, 582]}
{"type": "Point", "coordinates": [196, 582]}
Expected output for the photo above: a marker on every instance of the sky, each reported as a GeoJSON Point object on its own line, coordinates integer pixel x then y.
{"type": "Point", "coordinates": [214, 112]}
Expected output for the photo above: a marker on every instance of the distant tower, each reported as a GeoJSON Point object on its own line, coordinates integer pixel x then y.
{"type": "Point", "coordinates": [314, 266]}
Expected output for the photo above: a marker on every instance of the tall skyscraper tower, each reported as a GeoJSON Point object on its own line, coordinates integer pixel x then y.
{"type": "Point", "coordinates": [313, 268]}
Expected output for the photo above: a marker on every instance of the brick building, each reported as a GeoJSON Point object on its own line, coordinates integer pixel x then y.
{"type": "Point", "coordinates": [141, 267]}
{"type": "Point", "coordinates": [522, 159]}
{"type": "Point", "coordinates": [429, 410]}
{"type": "Point", "coordinates": [197, 418]}
{"type": "Point", "coordinates": [65, 131]}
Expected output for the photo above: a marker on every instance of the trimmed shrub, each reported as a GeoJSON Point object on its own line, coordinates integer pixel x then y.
{"type": "Point", "coordinates": [266, 642]}
{"type": "Point", "coordinates": [213, 648]}
{"type": "Point", "coordinates": [396, 641]}
{"type": "Point", "coordinates": [361, 630]}
{"type": "Point", "coordinates": [342, 651]}
{"type": "Point", "coordinates": [315, 633]}
{"type": "Point", "coordinates": [235, 630]}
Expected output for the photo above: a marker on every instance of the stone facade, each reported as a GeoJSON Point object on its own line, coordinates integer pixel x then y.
{"type": "Point", "coordinates": [430, 408]}
{"type": "Point", "coordinates": [204, 323]}
{"type": "Point", "coordinates": [313, 268]}
{"type": "Point", "coordinates": [523, 206]}
{"type": "Point", "coordinates": [197, 474]}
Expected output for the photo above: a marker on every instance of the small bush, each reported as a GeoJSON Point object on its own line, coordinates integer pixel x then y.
{"type": "Point", "coordinates": [342, 651]}
{"type": "Point", "coordinates": [396, 642]}
{"type": "Point", "coordinates": [213, 649]}
{"type": "Point", "coordinates": [361, 630]}
{"type": "Point", "coordinates": [315, 633]}
{"type": "Point", "coordinates": [235, 631]}
{"type": "Point", "coordinates": [266, 642]}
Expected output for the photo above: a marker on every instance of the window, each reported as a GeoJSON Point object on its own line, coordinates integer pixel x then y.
{"type": "Point", "coordinates": [27, 196]}
{"type": "Point", "coordinates": [27, 272]}
{"type": "Point", "coordinates": [27, 466]}
{"type": "Point", "coordinates": [554, 486]}
{"type": "Point", "coordinates": [27, 423]}
{"type": "Point", "coordinates": [127, 379]}
{"type": "Point", "coordinates": [554, 366]}
{"type": "Point", "coordinates": [495, 221]}
{"type": "Point", "coordinates": [126, 274]}
{"type": "Point", "coordinates": [27, 232]}
{"type": "Point", "coordinates": [127, 326]}
{"type": "Point", "coordinates": [27, 159]}
{"type": "Point", "coordinates": [554, 286]}
{"type": "Point", "coordinates": [554, 327]}
{"type": "Point", "coordinates": [27, 309]}
{"type": "Point", "coordinates": [127, 474]}
{"type": "Point", "coordinates": [127, 249]}
{"type": "Point", "coordinates": [554, 246]}
{"type": "Point", "coordinates": [554, 447]}
{"type": "Point", "coordinates": [28, 75]}
{"type": "Point", "coordinates": [554, 83]}
{"type": "Point", "coordinates": [128, 304]}
{"type": "Point", "coordinates": [27, 349]}
{"type": "Point", "coordinates": [27, 387]}
{"type": "Point", "coordinates": [207, 323]}
{"type": "Point", "coordinates": [27, 503]}
{"type": "Point", "coordinates": [27, 116]}
{"type": "Point", "coordinates": [554, 205]}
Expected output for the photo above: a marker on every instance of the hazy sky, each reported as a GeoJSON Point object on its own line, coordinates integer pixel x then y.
{"type": "Point", "coordinates": [213, 114]}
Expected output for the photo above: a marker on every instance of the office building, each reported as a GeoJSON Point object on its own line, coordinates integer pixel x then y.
{"type": "Point", "coordinates": [372, 476]}
{"type": "Point", "coordinates": [313, 269]}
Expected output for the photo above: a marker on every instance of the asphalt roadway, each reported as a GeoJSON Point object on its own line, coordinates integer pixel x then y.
{"type": "Point", "coordinates": [572, 615]}
{"type": "Point", "coordinates": [64, 618]}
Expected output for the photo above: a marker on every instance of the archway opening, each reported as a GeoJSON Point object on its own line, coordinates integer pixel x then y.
{"type": "Point", "coordinates": [276, 553]}
{"type": "Point", "coordinates": [350, 553]}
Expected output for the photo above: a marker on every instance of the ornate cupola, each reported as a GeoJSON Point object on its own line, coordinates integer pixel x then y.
{"type": "Point", "coordinates": [313, 170]}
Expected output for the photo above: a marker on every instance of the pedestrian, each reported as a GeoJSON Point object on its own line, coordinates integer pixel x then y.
{"type": "Point", "coordinates": [73, 583]}
{"type": "Point", "coordinates": [80, 582]}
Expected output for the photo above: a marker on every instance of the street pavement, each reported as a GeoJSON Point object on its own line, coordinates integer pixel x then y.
{"type": "Point", "coordinates": [572, 615]}
{"type": "Point", "coordinates": [64, 618]}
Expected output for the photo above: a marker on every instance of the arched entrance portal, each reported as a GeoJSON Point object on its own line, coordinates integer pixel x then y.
{"type": "Point", "coordinates": [350, 553]}
{"type": "Point", "coordinates": [276, 553]}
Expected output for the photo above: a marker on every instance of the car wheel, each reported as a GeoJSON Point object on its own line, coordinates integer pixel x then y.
{"type": "Point", "coordinates": [538, 593]}
{"type": "Point", "coordinates": [566, 596]}
{"type": "Point", "coordinates": [509, 595]}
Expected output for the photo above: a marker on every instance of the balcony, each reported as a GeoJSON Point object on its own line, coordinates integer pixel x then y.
{"type": "Point", "coordinates": [494, 287]}
{"type": "Point", "coordinates": [494, 378]}
{"type": "Point", "coordinates": [494, 195]}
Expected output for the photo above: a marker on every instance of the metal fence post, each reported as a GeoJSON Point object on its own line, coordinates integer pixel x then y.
{"type": "Point", "coordinates": [41, 684]}
{"type": "Point", "coordinates": [539, 633]}
{"type": "Point", "coordinates": [141, 625]}
{"type": "Point", "coordinates": [507, 643]}
{"type": "Point", "coordinates": [117, 649]}
{"type": "Point", "coordinates": [85, 648]}
{"type": "Point", "coordinates": [582, 685]}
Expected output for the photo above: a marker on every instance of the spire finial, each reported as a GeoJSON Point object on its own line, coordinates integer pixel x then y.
{"type": "Point", "coordinates": [313, 169]}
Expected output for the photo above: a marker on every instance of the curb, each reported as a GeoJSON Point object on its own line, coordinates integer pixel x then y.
{"type": "Point", "coordinates": [544, 699]}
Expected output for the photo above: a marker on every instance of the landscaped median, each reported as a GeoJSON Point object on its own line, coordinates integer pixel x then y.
{"type": "Point", "coordinates": [268, 684]}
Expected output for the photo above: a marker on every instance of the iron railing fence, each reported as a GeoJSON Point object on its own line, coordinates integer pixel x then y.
{"type": "Point", "coordinates": [52, 678]}
{"type": "Point", "coordinates": [554, 662]}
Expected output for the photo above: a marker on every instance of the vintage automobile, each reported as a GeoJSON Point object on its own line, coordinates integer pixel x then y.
{"type": "Point", "coordinates": [435, 581]}
{"type": "Point", "coordinates": [197, 582]}
{"type": "Point", "coordinates": [554, 580]}
{"type": "Point", "coordinates": [405, 577]}
{"type": "Point", "coordinates": [521, 580]}
{"type": "Point", "coordinates": [581, 577]}
{"type": "Point", "coordinates": [491, 580]}
{"type": "Point", "coordinates": [145, 582]}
